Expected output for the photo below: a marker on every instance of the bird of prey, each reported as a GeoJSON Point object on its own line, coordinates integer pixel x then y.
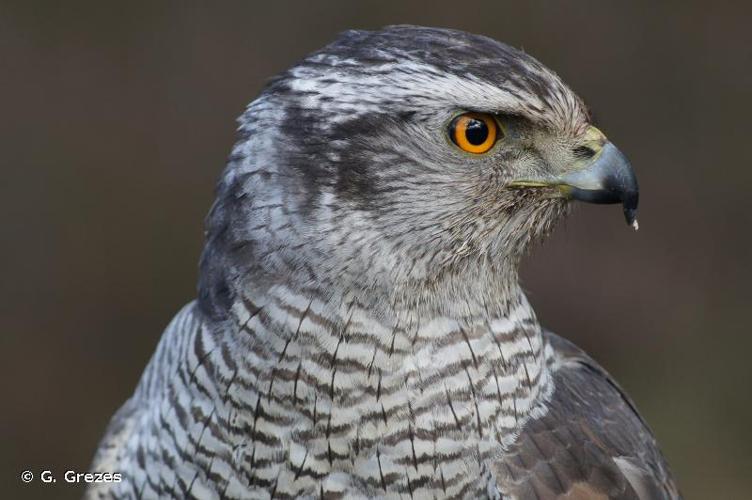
{"type": "Point", "coordinates": [360, 330]}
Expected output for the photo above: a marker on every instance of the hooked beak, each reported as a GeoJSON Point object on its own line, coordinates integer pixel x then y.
{"type": "Point", "coordinates": [607, 178]}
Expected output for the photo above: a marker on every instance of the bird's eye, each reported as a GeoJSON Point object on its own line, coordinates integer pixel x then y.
{"type": "Point", "coordinates": [474, 132]}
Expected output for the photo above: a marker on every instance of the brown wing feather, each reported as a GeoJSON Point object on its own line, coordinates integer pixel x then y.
{"type": "Point", "coordinates": [590, 444]}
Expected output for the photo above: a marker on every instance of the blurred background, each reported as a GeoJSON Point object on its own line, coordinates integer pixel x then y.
{"type": "Point", "coordinates": [116, 119]}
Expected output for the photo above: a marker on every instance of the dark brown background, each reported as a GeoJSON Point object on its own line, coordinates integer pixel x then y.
{"type": "Point", "coordinates": [115, 121]}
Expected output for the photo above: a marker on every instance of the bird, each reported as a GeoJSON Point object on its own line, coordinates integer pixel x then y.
{"type": "Point", "coordinates": [360, 330]}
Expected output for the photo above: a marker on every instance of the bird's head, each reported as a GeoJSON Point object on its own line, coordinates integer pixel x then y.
{"type": "Point", "coordinates": [401, 160]}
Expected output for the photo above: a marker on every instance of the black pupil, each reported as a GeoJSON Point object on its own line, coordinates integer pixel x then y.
{"type": "Point", "coordinates": [476, 132]}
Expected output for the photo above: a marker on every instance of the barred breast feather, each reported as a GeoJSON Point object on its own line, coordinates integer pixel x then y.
{"type": "Point", "coordinates": [245, 411]}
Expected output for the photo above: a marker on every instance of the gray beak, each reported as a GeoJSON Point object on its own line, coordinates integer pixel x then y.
{"type": "Point", "coordinates": [608, 179]}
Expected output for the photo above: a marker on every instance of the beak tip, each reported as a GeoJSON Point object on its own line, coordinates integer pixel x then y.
{"type": "Point", "coordinates": [630, 214]}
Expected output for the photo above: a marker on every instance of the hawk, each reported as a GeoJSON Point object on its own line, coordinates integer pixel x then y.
{"type": "Point", "coordinates": [360, 330]}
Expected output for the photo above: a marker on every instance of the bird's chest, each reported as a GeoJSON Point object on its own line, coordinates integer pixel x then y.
{"type": "Point", "coordinates": [410, 414]}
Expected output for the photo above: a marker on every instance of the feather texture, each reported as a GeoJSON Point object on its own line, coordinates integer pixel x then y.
{"type": "Point", "coordinates": [360, 331]}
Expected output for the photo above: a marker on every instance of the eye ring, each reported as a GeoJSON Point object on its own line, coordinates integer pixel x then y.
{"type": "Point", "coordinates": [474, 132]}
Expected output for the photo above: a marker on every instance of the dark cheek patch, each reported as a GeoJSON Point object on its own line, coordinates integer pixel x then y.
{"type": "Point", "coordinates": [361, 151]}
{"type": "Point", "coordinates": [353, 180]}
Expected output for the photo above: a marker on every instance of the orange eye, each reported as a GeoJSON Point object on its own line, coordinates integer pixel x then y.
{"type": "Point", "coordinates": [474, 132]}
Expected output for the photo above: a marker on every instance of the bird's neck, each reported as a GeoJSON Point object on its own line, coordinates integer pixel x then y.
{"type": "Point", "coordinates": [479, 370]}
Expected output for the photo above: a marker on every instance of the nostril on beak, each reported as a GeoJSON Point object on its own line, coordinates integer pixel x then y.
{"type": "Point", "coordinates": [583, 152]}
{"type": "Point", "coordinates": [591, 143]}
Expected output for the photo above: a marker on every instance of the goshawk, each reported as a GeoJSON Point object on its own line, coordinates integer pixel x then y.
{"type": "Point", "coordinates": [360, 330]}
